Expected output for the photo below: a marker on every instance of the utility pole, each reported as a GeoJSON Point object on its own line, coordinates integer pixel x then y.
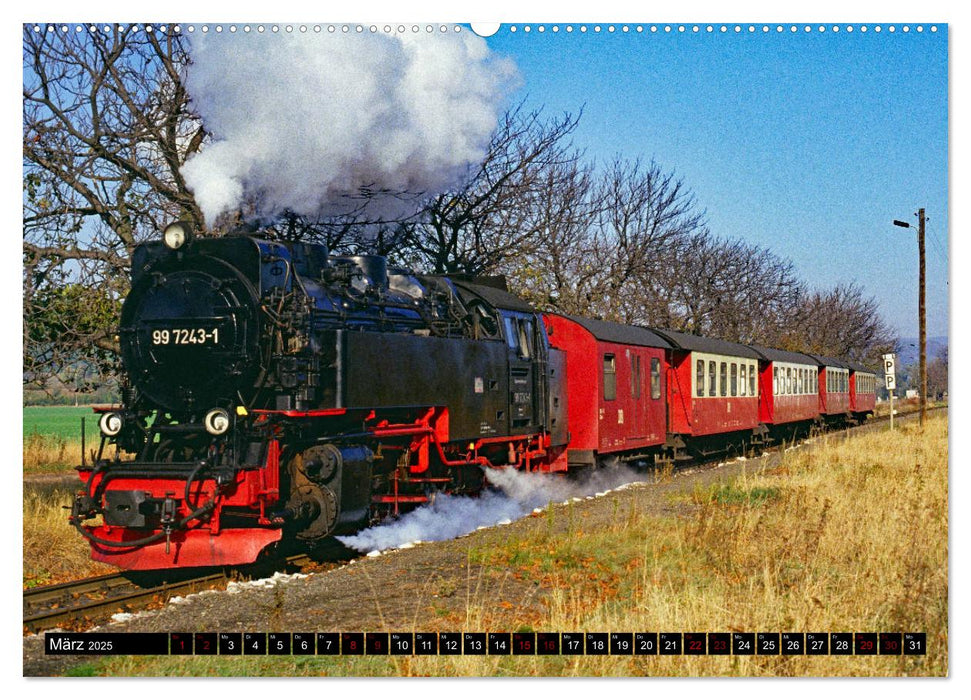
{"type": "Point", "coordinates": [922, 313]}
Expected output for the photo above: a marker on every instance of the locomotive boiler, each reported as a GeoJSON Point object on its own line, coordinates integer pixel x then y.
{"type": "Point", "coordinates": [275, 392]}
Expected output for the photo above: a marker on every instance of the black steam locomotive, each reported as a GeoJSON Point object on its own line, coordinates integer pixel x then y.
{"type": "Point", "coordinates": [276, 392]}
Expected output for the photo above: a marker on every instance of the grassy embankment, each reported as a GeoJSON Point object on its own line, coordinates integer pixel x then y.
{"type": "Point", "coordinates": [845, 535]}
{"type": "Point", "coordinates": [53, 550]}
{"type": "Point", "coordinates": [52, 437]}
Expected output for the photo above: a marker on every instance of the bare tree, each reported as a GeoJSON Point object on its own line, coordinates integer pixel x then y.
{"type": "Point", "coordinates": [841, 322]}
{"type": "Point", "coordinates": [497, 214]}
{"type": "Point", "coordinates": [937, 376]}
{"type": "Point", "coordinates": [106, 127]}
{"type": "Point", "coordinates": [728, 289]}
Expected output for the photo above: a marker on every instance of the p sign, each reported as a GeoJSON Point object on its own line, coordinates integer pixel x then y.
{"type": "Point", "coordinates": [890, 370]}
{"type": "Point", "coordinates": [889, 366]}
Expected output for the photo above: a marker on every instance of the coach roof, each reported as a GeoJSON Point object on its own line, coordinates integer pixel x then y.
{"type": "Point", "coordinates": [619, 333]}
{"type": "Point", "coordinates": [857, 367]}
{"type": "Point", "coordinates": [715, 346]}
{"type": "Point", "coordinates": [829, 361]}
{"type": "Point", "coordinates": [776, 355]}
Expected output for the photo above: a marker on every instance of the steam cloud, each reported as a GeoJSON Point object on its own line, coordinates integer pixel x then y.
{"type": "Point", "coordinates": [303, 121]}
{"type": "Point", "coordinates": [515, 494]}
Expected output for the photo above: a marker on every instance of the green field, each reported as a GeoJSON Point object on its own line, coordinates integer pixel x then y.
{"type": "Point", "coordinates": [60, 421]}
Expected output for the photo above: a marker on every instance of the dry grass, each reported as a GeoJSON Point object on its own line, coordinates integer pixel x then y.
{"type": "Point", "coordinates": [53, 550]}
{"type": "Point", "coordinates": [50, 453]}
{"type": "Point", "coordinates": [844, 535]}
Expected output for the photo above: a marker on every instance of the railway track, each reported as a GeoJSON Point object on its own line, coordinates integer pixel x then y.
{"type": "Point", "coordinates": [93, 600]}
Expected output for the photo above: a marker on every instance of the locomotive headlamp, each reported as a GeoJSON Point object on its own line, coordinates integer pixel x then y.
{"type": "Point", "coordinates": [177, 235]}
{"type": "Point", "coordinates": [110, 424]}
{"type": "Point", "coordinates": [216, 421]}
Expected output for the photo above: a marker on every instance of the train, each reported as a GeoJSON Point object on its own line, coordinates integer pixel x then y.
{"type": "Point", "coordinates": [276, 395]}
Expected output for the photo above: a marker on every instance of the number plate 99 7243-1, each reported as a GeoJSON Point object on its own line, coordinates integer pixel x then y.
{"type": "Point", "coordinates": [185, 336]}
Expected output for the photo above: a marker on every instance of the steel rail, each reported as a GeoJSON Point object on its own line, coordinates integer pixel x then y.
{"type": "Point", "coordinates": [39, 615]}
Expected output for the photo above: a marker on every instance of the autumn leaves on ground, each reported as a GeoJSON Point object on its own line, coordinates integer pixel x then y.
{"type": "Point", "coordinates": [843, 535]}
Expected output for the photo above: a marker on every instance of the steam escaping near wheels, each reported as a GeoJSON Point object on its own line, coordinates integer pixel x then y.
{"type": "Point", "coordinates": [513, 495]}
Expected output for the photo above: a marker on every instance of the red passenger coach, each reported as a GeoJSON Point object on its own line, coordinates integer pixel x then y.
{"type": "Point", "coordinates": [834, 388]}
{"type": "Point", "coordinates": [712, 392]}
{"type": "Point", "coordinates": [615, 381]}
{"type": "Point", "coordinates": [788, 390]}
{"type": "Point", "coordinates": [863, 391]}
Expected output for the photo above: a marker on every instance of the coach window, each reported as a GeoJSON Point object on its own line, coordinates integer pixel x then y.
{"type": "Point", "coordinates": [724, 379]}
{"type": "Point", "coordinates": [742, 382]}
{"type": "Point", "coordinates": [610, 378]}
{"type": "Point", "coordinates": [734, 379]}
{"type": "Point", "coordinates": [700, 378]}
{"type": "Point", "coordinates": [802, 381]}
{"type": "Point", "coordinates": [635, 389]}
{"type": "Point", "coordinates": [712, 379]}
{"type": "Point", "coordinates": [656, 378]}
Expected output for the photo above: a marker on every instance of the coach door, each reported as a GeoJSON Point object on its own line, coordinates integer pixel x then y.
{"type": "Point", "coordinates": [521, 342]}
{"type": "Point", "coordinates": [638, 408]}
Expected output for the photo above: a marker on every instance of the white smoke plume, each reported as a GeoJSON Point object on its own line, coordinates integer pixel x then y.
{"type": "Point", "coordinates": [302, 121]}
{"type": "Point", "coordinates": [514, 495]}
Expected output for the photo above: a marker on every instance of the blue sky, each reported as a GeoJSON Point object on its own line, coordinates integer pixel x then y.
{"type": "Point", "coordinates": [807, 143]}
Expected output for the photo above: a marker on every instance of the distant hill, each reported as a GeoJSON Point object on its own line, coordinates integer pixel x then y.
{"type": "Point", "coordinates": [910, 349]}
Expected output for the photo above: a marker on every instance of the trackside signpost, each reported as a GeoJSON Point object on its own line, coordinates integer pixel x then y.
{"type": "Point", "coordinates": [890, 370]}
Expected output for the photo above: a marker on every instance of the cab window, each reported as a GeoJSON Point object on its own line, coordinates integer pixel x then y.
{"type": "Point", "coordinates": [525, 337]}
{"type": "Point", "coordinates": [512, 333]}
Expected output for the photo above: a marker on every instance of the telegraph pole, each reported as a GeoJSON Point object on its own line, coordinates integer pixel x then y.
{"type": "Point", "coordinates": [922, 313]}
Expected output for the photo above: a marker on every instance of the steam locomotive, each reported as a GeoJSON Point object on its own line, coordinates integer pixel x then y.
{"type": "Point", "coordinates": [276, 393]}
